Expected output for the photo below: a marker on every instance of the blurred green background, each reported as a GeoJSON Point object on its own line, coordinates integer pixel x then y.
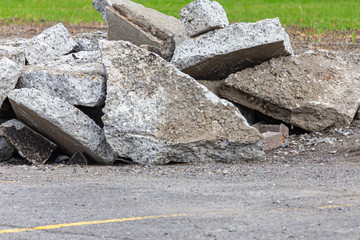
{"type": "Point", "coordinates": [316, 14]}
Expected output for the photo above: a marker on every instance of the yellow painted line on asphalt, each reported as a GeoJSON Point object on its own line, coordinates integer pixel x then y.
{"type": "Point", "coordinates": [334, 206]}
{"type": "Point", "coordinates": [9, 181]}
{"type": "Point", "coordinates": [76, 224]}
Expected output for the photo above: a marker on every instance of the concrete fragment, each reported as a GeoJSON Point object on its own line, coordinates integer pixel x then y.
{"type": "Point", "coordinates": [6, 150]}
{"type": "Point", "coordinates": [78, 158]}
{"type": "Point", "coordinates": [284, 130]}
{"type": "Point", "coordinates": [62, 123]}
{"type": "Point", "coordinates": [78, 78]}
{"type": "Point", "coordinates": [140, 25]}
{"type": "Point", "coordinates": [30, 145]}
{"type": "Point", "coordinates": [313, 92]}
{"type": "Point", "coordinates": [9, 75]}
{"type": "Point", "coordinates": [53, 42]}
{"type": "Point", "coordinates": [202, 16]}
{"type": "Point", "coordinates": [156, 114]}
{"type": "Point", "coordinates": [217, 54]}
{"type": "Point", "coordinates": [272, 140]}
{"type": "Point", "coordinates": [100, 6]}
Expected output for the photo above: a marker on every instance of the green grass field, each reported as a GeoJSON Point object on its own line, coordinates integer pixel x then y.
{"type": "Point", "coordinates": [317, 14]}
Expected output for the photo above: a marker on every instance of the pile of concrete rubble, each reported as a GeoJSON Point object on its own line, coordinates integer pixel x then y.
{"type": "Point", "coordinates": [155, 89]}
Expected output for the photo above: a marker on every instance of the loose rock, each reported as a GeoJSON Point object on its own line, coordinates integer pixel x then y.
{"type": "Point", "coordinates": [9, 75]}
{"type": "Point", "coordinates": [62, 123]}
{"type": "Point", "coordinates": [78, 78]}
{"type": "Point", "coordinates": [53, 42]}
{"type": "Point", "coordinates": [202, 16]}
{"type": "Point", "coordinates": [272, 140]}
{"type": "Point", "coordinates": [156, 114]}
{"type": "Point", "coordinates": [6, 150]}
{"type": "Point", "coordinates": [311, 91]}
{"type": "Point", "coordinates": [30, 145]}
{"type": "Point", "coordinates": [217, 54]}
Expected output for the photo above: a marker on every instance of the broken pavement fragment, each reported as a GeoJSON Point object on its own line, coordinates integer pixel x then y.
{"type": "Point", "coordinates": [53, 42]}
{"type": "Point", "coordinates": [154, 113]}
{"type": "Point", "coordinates": [202, 16]}
{"type": "Point", "coordinates": [78, 78]}
{"type": "Point", "coordinates": [62, 123]}
{"type": "Point", "coordinates": [30, 145]}
{"type": "Point", "coordinates": [217, 54]}
{"type": "Point", "coordinates": [9, 75]}
{"type": "Point", "coordinates": [140, 25]}
{"type": "Point", "coordinates": [310, 91]}
{"type": "Point", "coordinates": [6, 150]}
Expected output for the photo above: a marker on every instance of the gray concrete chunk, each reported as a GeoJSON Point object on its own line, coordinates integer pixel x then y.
{"type": "Point", "coordinates": [62, 123]}
{"type": "Point", "coordinates": [311, 91]}
{"type": "Point", "coordinates": [53, 42]}
{"type": "Point", "coordinates": [9, 75]}
{"type": "Point", "coordinates": [140, 25]}
{"type": "Point", "coordinates": [217, 54]}
{"type": "Point", "coordinates": [6, 150]}
{"type": "Point", "coordinates": [202, 16]}
{"type": "Point", "coordinates": [78, 78]}
{"type": "Point", "coordinates": [30, 145]}
{"type": "Point", "coordinates": [154, 113]}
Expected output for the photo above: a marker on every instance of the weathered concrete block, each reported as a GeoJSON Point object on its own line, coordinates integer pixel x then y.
{"type": "Point", "coordinates": [62, 123]}
{"type": "Point", "coordinates": [272, 140]}
{"type": "Point", "coordinates": [156, 114]}
{"type": "Point", "coordinates": [30, 145]}
{"type": "Point", "coordinates": [9, 75]}
{"type": "Point", "coordinates": [11, 48]}
{"type": "Point", "coordinates": [53, 42]}
{"type": "Point", "coordinates": [284, 130]}
{"type": "Point", "coordinates": [202, 16]}
{"type": "Point", "coordinates": [6, 150]}
{"type": "Point", "coordinates": [310, 91]}
{"type": "Point", "coordinates": [140, 25]}
{"type": "Point", "coordinates": [217, 54]}
{"type": "Point", "coordinates": [78, 78]}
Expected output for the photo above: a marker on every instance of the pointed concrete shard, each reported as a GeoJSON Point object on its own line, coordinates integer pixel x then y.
{"type": "Point", "coordinates": [53, 42]}
{"type": "Point", "coordinates": [154, 113]}
{"type": "Point", "coordinates": [62, 123]}
{"type": "Point", "coordinates": [217, 54]}
{"type": "Point", "coordinates": [30, 145]}
{"type": "Point", "coordinates": [78, 78]}
{"type": "Point", "coordinates": [9, 75]}
{"type": "Point", "coordinates": [311, 91]}
{"type": "Point", "coordinates": [202, 16]}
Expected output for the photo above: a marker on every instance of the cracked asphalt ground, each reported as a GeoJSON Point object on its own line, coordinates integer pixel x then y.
{"type": "Point", "coordinates": [306, 190]}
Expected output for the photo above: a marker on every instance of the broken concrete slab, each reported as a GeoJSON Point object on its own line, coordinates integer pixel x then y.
{"type": "Point", "coordinates": [53, 42]}
{"type": "Point", "coordinates": [9, 75]}
{"type": "Point", "coordinates": [217, 54]}
{"type": "Point", "coordinates": [11, 48]}
{"type": "Point", "coordinates": [62, 123]}
{"type": "Point", "coordinates": [202, 16]}
{"type": "Point", "coordinates": [78, 78]}
{"type": "Point", "coordinates": [100, 6]}
{"type": "Point", "coordinates": [154, 113]}
{"type": "Point", "coordinates": [6, 150]}
{"type": "Point", "coordinates": [88, 41]}
{"type": "Point", "coordinates": [272, 140]}
{"type": "Point", "coordinates": [30, 145]}
{"type": "Point", "coordinates": [140, 25]}
{"type": "Point", "coordinates": [310, 91]}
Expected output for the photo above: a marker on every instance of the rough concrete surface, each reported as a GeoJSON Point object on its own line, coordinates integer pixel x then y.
{"type": "Point", "coordinates": [202, 16]}
{"type": "Point", "coordinates": [217, 54]}
{"type": "Point", "coordinates": [156, 114]}
{"type": "Point", "coordinates": [314, 91]}
{"type": "Point", "coordinates": [29, 144]}
{"type": "Point", "coordinates": [6, 150]}
{"type": "Point", "coordinates": [78, 78]}
{"type": "Point", "coordinates": [9, 75]}
{"type": "Point", "coordinates": [53, 42]}
{"type": "Point", "coordinates": [62, 123]}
